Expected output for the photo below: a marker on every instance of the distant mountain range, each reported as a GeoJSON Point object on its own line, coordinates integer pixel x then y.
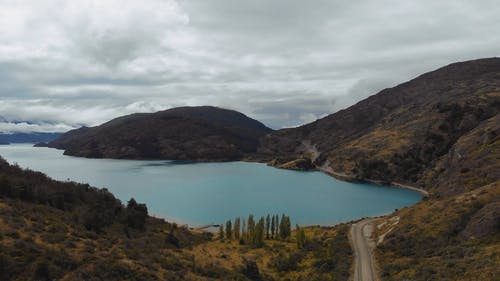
{"type": "Point", "coordinates": [28, 137]}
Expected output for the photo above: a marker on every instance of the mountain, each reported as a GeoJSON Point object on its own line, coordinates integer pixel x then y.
{"type": "Point", "coordinates": [28, 137]}
{"type": "Point", "coordinates": [185, 133]}
{"type": "Point", "coordinates": [405, 133]}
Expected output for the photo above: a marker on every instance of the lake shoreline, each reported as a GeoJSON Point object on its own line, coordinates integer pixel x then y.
{"type": "Point", "coordinates": [240, 189]}
{"type": "Point", "coordinates": [336, 175]}
{"type": "Point", "coordinates": [354, 178]}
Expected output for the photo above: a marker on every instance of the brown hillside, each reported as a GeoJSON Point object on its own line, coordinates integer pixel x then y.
{"type": "Point", "coordinates": [400, 133]}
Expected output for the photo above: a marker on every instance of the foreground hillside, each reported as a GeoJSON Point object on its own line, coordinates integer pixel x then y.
{"type": "Point", "coordinates": [455, 234]}
{"type": "Point", "coordinates": [52, 230]}
{"type": "Point", "coordinates": [186, 133]}
{"type": "Point", "coordinates": [455, 238]}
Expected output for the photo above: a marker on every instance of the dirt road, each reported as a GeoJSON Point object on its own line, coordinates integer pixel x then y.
{"type": "Point", "coordinates": [364, 269]}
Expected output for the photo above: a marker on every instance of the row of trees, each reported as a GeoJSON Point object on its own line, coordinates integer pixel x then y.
{"type": "Point", "coordinates": [254, 232]}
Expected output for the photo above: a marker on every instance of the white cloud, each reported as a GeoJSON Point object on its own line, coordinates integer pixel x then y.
{"type": "Point", "coordinates": [284, 62]}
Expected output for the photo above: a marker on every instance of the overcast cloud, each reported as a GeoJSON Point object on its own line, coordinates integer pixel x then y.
{"type": "Point", "coordinates": [64, 64]}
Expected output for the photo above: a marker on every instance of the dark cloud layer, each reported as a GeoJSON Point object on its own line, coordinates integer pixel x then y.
{"type": "Point", "coordinates": [286, 62]}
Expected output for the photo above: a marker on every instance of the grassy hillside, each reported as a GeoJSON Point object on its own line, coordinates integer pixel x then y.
{"type": "Point", "coordinates": [456, 238]}
{"type": "Point", "coordinates": [67, 231]}
{"type": "Point", "coordinates": [472, 161]}
{"type": "Point", "coordinates": [455, 234]}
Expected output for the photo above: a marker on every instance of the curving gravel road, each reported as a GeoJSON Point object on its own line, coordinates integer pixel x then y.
{"type": "Point", "coordinates": [364, 269]}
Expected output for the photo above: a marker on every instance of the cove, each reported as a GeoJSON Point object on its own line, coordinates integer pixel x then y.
{"type": "Point", "coordinates": [203, 193]}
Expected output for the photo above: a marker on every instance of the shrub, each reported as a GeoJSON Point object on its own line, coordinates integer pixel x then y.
{"type": "Point", "coordinates": [136, 214]}
{"type": "Point", "coordinates": [286, 262]}
{"type": "Point", "coordinates": [6, 263]}
{"type": "Point", "coordinates": [42, 271]}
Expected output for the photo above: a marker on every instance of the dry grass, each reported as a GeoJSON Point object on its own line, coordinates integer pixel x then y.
{"type": "Point", "coordinates": [428, 241]}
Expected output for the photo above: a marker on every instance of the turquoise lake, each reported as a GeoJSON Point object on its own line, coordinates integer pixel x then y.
{"type": "Point", "coordinates": [202, 193]}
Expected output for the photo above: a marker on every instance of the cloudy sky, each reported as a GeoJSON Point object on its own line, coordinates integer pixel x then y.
{"type": "Point", "coordinates": [64, 64]}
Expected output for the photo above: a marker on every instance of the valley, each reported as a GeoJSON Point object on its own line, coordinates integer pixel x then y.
{"type": "Point", "coordinates": [439, 133]}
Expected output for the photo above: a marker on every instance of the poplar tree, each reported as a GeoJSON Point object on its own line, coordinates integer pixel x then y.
{"type": "Point", "coordinates": [221, 232]}
{"type": "Point", "coordinates": [285, 228]}
{"type": "Point", "coordinates": [277, 225]}
{"type": "Point", "coordinates": [288, 227]}
{"type": "Point", "coordinates": [273, 225]}
{"type": "Point", "coordinates": [250, 229]}
{"type": "Point", "coordinates": [258, 239]}
{"type": "Point", "coordinates": [268, 225]}
{"type": "Point", "coordinates": [282, 233]}
{"type": "Point", "coordinates": [244, 230]}
{"type": "Point", "coordinates": [237, 228]}
{"type": "Point", "coordinates": [229, 230]}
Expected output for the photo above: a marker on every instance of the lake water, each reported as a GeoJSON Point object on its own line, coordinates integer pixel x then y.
{"type": "Point", "coordinates": [201, 193]}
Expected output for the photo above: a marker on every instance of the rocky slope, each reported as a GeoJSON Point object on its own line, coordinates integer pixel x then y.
{"type": "Point", "coordinates": [455, 234]}
{"type": "Point", "coordinates": [186, 133]}
{"type": "Point", "coordinates": [401, 133]}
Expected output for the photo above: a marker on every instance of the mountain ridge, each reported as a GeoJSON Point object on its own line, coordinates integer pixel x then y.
{"type": "Point", "coordinates": [399, 133]}
{"type": "Point", "coordinates": [33, 137]}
